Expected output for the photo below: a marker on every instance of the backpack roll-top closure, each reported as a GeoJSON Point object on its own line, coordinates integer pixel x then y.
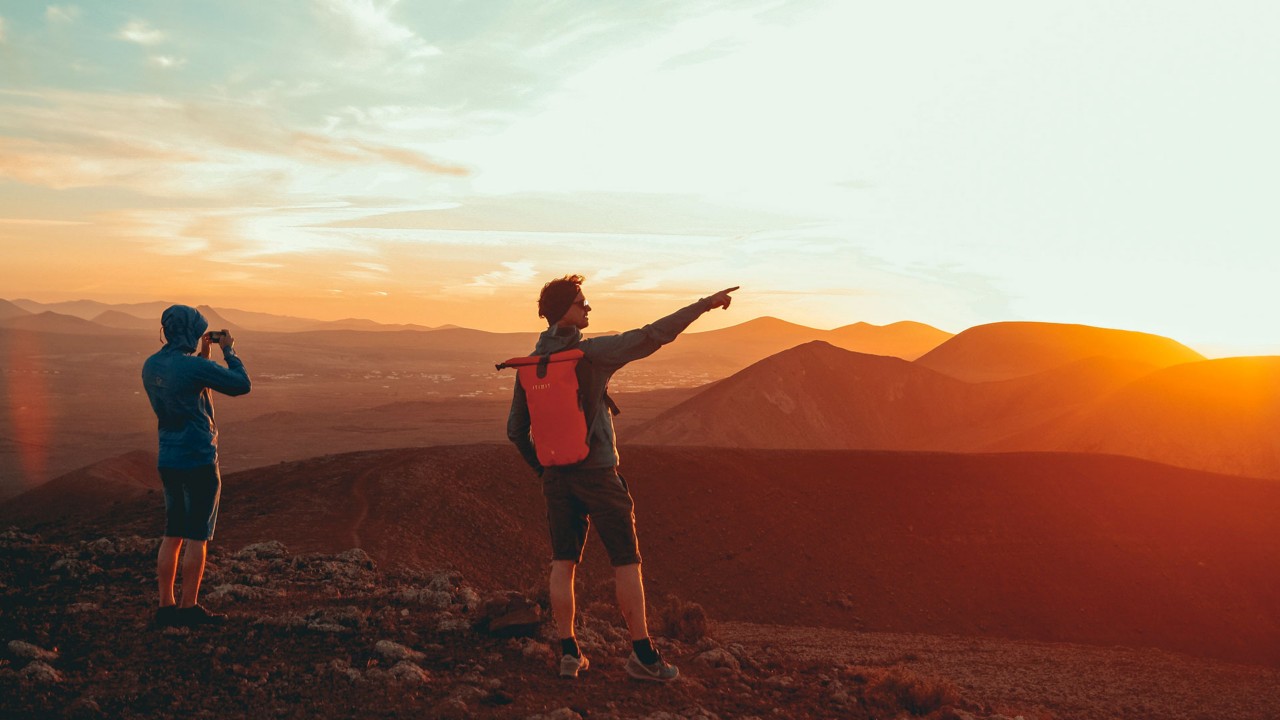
{"type": "Point", "coordinates": [558, 423]}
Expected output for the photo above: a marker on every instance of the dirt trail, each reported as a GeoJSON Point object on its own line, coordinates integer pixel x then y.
{"type": "Point", "coordinates": [1068, 682]}
{"type": "Point", "coordinates": [360, 495]}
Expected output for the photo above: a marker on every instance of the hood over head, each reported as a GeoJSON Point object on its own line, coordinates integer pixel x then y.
{"type": "Point", "coordinates": [183, 325]}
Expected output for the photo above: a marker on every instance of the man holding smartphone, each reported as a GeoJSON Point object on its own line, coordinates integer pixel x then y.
{"type": "Point", "coordinates": [178, 380]}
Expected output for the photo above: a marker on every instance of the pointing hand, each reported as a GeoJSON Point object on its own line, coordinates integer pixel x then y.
{"type": "Point", "coordinates": [722, 299]}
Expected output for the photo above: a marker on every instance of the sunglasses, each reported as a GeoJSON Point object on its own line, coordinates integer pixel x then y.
{"type": "Point", "coordinates": [582, 304]}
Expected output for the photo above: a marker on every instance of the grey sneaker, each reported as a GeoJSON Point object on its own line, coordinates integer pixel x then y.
{"type": "Point", "coordinates": [570, 666]}
{"type": "Point", "coordinates": [660, 671]}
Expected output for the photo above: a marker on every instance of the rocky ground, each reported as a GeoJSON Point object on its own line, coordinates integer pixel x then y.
{"type": "Point", "coordinates": [332, 635]}
{"type": "Point", "coordinates": [1059, 680]}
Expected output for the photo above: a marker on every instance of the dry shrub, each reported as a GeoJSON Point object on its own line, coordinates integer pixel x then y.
{"type": "Point", "coordinates": [680, 620]}
{"type": "Point", "coordinates": [898, 688]}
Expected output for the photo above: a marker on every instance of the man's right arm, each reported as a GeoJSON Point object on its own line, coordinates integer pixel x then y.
{"type": "Point", "coordinates": [518, 426]}
{"type": "Point", "coordinates": [229, 380]}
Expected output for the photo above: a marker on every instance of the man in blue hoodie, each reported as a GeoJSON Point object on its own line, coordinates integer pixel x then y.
{"type": "Point", "coordinates": [178, 380]}
{"type": "Point", "coordinates": [592, 490]}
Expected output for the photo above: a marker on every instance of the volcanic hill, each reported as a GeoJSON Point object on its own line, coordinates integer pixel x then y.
{"type": "Point", "coordinates": [999, 351]}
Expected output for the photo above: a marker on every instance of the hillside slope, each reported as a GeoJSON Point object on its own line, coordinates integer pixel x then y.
{"type": "Point", "coordinates": [1090, 549]}
{"type": "Point", "coordinates": [999, 351]}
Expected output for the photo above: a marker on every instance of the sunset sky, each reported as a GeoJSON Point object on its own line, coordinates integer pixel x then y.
{"type": "Point", "coordinates": [1114, 164]}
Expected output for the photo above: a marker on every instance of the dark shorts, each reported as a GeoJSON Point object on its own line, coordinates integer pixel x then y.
{"type": "Point", "coordinates": [191, 498]}
{"type": "Point", "coordinates": [577, 496]}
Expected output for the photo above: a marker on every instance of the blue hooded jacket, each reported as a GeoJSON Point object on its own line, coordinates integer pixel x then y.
{"type": "Point", "coordinates": [178, 385]}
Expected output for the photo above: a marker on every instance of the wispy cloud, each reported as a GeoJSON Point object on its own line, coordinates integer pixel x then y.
{"type": "Point", "coordinates": [512, 274]}
{"type": "Point", "coordinates": [141, 32]}
{"type": "Point", "coordinates": [39, 221]}
{"type": "Point", "coordinates": [192, 149]}
{"type": "Point", "coordinates": [62, 13]}
{"type": "Point", "coordinates": [375, 39]}
{"type": "Point", "coordinates": [167, 61]}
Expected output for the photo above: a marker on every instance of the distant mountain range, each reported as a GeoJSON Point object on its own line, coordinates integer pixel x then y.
{"type": "Point", "coordinates": [746, 343]}
{"type": "Point", "coordinates": [145, 316]}
{"type": "Point", "coordinates": [766, 383]}
{"type": "Point", "coordinates": [1062, 388]}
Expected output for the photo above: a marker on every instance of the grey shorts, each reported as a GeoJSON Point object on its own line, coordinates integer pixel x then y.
{"type": "Point", "coordinates": [191, 497]}
{"type": "Point", "coordinates": [577, 496]}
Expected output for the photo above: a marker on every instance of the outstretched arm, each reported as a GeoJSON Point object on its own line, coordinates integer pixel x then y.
{"type": "Point", "coordinates": [618, 350]}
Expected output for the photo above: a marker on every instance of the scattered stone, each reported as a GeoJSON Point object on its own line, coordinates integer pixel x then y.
{"type": "Point", "coordinates": [336, 620]}
{"type": "Point", "coordinates": [433, 599]}
{"type": "Point", "coordinates": [780, 681]}
{"type": "Point", "coordinates": [451, 624]}
{"type": "Point", "coordinates": [241, 593]}
{"type": "Point", "coordinates": [563, 713]}
{"type": "Point", "coordinates": [405, 671]}
{"type": "Point", "coordinates": [357, 556]}
{"type": "Point", "coordinates": [39, 671]}
{"type": "Point", "coordinates": [466, 597]}
{"type": "Point", "coordinates": [445, 581]}
{"type": "Point", "coordinates": [468, 693]}
{"type": "Point", "coordinates": [74, 568]}
{"type": "Point", "coordinates": [451, 709]}
{"type": "Point", "coordinates": [270, 550]}
{"type": "Point", "coordinates": [682, 620]}
{"type": "Point", "coordinates": [718, 658]}
{"type": "Point", "coordinates": [14, 536]}
{"type": "Point", "coordinates": [343, 669]}
{"type": "Point", "coordinates": [27, 651]}
{"type": "Point", "coordinates": [509, 614]}
{"type": "Point", "coordinates": [396, 652]}
{"type": "Point", "coordinates": [85, 707]}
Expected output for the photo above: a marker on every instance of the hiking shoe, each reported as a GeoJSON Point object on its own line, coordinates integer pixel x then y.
{"type": "Point", "coordinates": [199, 615]}
{"type": "Point", "coordinates": [570, 666]}
{"type": "Point", "coordinates": [167, 617]}
{"type": "Point", "coordinates": [658, 671]}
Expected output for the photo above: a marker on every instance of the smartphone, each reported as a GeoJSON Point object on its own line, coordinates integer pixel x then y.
{"type": "Point", "coordinates": [215, 337]}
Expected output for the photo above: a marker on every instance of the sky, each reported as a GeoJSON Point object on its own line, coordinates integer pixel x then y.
{"type": "Point", "coordinates": [1112, 164]}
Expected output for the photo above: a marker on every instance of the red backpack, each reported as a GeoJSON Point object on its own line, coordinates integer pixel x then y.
{"type": "Point", "coordinates": [557, 412]}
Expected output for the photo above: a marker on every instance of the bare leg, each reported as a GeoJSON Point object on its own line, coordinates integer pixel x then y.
{"type": "Point", "coordinates": [167, 568]}
{"type": "Point", "coordinates": [193, 570]}
{"type": "Point", "coordinates": [562, 601]}
{"type": "Point", "coordinates": [630, 587]}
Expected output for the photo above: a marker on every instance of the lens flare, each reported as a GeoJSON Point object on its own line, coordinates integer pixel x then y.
{"type": "Point", "coordinates": [28, 405]}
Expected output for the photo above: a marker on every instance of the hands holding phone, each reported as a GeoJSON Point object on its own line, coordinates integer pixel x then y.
{"type": "Point", "coordinates": [222, 337]}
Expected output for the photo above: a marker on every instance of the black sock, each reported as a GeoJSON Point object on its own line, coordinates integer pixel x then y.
{"type": "Point", "coordinates": [569, 646]}
{"type": "Point", "coordinates": [644, 651]}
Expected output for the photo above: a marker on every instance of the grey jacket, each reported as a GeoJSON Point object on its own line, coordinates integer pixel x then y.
{"type": "Point", "coordinates": [604, 355]}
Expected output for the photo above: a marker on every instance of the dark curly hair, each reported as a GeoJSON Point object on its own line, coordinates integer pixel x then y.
{"type": "Point", "coordinates": [557, 296]}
